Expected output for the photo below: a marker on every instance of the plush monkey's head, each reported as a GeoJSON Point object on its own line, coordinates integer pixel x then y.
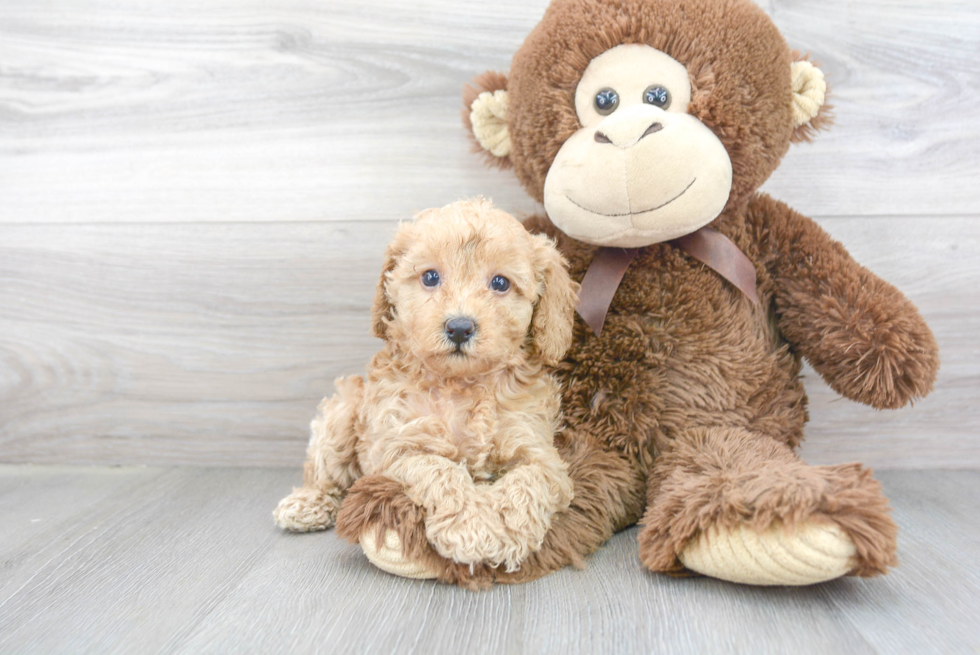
{"type": "Point", "coordinates": [639, 121]}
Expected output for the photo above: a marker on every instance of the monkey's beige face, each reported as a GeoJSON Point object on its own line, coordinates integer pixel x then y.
{"type": "Point", "coordinates": [640, 170]}
{"type": "Point", "coordinates": [463, 292]}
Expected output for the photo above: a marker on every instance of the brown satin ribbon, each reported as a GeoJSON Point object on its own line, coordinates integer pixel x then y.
{"type": "Point", "coordinates": [721, 254]}
{"type": "Point", "coordinates": [707, 245]}
{"type": "Point", "coordinates": [600, 283]}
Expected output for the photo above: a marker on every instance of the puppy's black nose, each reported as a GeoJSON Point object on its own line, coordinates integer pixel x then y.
{"type": "Point", "coordinates": [460, 329]}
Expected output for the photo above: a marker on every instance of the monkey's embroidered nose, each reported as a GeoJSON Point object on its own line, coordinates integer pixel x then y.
{"type": "Point", "coordinates": [460, 329]}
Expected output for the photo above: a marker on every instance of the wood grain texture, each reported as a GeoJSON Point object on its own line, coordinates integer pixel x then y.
{"type": "Point", "coordinates": [242, 110]}
{"type": "Point", "coordinates": [178, 343]}
{"type": "Point", "coordinates": [212, 343]}
{"type": "Point", "coordinates": [194, 198]}
{"type": "Point", "coordinates": [187, 560]}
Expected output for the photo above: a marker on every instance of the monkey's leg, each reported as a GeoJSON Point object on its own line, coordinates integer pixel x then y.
{"type": "Point", "coordinates": [740, 506]}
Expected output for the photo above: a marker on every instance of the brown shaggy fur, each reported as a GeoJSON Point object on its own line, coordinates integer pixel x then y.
{"type": "Point", "coordinates": [687, 410]}
{"type": "Point", "coordinates": [737, 60]}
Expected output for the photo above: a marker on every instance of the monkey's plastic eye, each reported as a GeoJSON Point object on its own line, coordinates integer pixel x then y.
{"type": "Point", "coordinates": [657, 96]}
{"type": "Point", "coordinates": [430, 278]}
{"type": "Point", "coordinates": [606, 101]}
{"type": "Point", "coordinates": [499, 283]}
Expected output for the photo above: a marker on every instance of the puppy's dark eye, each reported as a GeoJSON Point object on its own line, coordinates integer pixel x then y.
{"type": "Point", "coordinates": [606, 101]}
{"type": "Point", "coordinates": [657, 96]}
{"type": "Point", "coordinates": [430, 278]}
{"type": "Point", "coordinates": [499, 283]}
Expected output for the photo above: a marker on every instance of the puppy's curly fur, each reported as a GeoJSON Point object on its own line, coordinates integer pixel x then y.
{"type": "Point", "coordinates": [466, 428]}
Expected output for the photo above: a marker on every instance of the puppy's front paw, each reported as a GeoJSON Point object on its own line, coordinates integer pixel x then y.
{"type": "Point", "coordinates": [306, 510]}
{"type": "Point", "coordinates": [505, 522]}
{"type": "Point", "coordinates": [476, 535]}
{"type": "Point", "coordinates": [391, 531]}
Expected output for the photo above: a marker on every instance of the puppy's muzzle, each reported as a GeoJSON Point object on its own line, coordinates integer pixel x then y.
{"type": "Point", "coordinates": [460, 329]}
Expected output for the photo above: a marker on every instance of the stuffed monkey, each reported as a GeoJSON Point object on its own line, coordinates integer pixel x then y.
{"type": "Point", "coordinates": [646, 128]}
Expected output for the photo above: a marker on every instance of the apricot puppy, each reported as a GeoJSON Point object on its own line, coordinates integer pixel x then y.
{"type": "Point", "coordinates": [457, 406]}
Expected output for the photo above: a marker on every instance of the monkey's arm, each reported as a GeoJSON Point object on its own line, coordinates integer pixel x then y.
{"type": "Point", "coordinates": [860, 333]}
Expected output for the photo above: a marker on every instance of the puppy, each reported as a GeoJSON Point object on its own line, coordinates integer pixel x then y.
{"type": "Point", "coordinates": [457, 407]}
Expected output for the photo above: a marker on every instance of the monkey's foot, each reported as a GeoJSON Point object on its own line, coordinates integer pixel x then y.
{"type": "Point", "coordinates": [389, 558]}
{"type": "Point", "coordinates": [806, 554]}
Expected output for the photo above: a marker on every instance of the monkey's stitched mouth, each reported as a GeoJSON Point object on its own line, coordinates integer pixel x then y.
{"type": "Point", "coordinates": [645, 211]}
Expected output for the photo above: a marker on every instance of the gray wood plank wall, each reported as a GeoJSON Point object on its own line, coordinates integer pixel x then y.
{"type": "Point", "coordinates": [194, 198]}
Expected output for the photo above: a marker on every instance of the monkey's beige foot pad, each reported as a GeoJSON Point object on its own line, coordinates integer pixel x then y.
{"type": "Point", "coordinates": [388, 556]}
{"type": "Point", "coordinates": [811, 553]}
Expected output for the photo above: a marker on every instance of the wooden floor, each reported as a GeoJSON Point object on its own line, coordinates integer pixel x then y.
{"type": "Point", "coordinates": [147, 560]}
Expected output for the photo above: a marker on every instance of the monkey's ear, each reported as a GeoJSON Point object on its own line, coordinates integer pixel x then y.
{"type": "Point", "coordinates": [485, 117]}
{"type": "Point", "coordinates": [810, 109]}
{"type": "Point", "coordinates": [382, 311]}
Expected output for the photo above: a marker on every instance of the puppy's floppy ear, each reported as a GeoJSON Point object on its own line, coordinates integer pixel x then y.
{"type": "Point", "coordinates": [381, 310]}
{"type": "Point", "coordinates": [554, 313]}
{"type": "Point", "coordinates": [485, 117]}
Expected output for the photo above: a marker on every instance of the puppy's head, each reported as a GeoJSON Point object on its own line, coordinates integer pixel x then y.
{"type": "Point", "coordinates": [467, 289]}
